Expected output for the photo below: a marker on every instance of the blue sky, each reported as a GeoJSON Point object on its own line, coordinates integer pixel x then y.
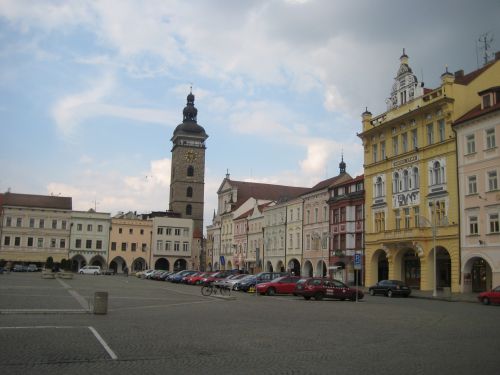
{"type": "Point", "coordinates": [91, 91]}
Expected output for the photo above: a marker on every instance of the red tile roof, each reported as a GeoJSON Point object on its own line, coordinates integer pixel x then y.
{"type": "Point", "coordinates": [468, 78]}
{"type": "Point", "coordinates": [38, 201]}
{"type": "Point", "coordinates": [328, 182]}
{"type": "Point", "coordinates": [477, 112]}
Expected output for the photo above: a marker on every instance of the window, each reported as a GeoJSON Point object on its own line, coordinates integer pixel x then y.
{"type": "Point", "coordinates": [130, 231]}
{"type": "Point", "coordinates": [342, 214]}
{"type": "Point", "coordinates": [437, 174]}
{"type": "Point", "coordinates": [359, 212]}
{"type": "Point", "coordinates": [88, 244]}
{"type": "Point", "coordinates": [32, 223]}
{"type": "Point", "coordinates": [30, 241]}
{"type": "Point", "coordinates": [64, 224]}
{"type": "Point", "coordinates": [494, 224]}
{"type": "Point", "coordinates": [120, 230]}
{"type": "Point", "coordinates": [124, 246]}
{"type": "Point", "coordinates": [52, 242]}
{"type": "Point", "coordinates": [490, 138]}
{"type": "Point", "coordinates": [486, 101]}
{"type": "Point", "coordinates": [17, 241]}
{"type": "Point", "coordinates": [473, 225]}
{"type": "Point", "coordinates": [99, 228]}
{"type": "Point", "coordinates": [395, 146]}
{"type": "Point", "coordinates": [54, 224]}
{"type": "Point", "coordinates": [189, 210]}
{"type": "Point", "coordinates": [430, 134]}
{"type": "Point", "coordinates": [144, 247]}
{"type": "Point", "coordinates": [190, 171]}
{"type": "Point", "coordinates": [189, 192]}
{"type": "Point", "coordinates": [40, 242]}
{"type": "Point", "coordinates": [315, 214]}
{"type": "Point", "coordinates": [159, 245]}
{"type": "Point", "coordinates": [382, 150]}
{"type": "Point", "coordinates": [6, 241]}
{"type": "Point", "coordinates": [79, 227]}
{"type": "Point", "coordinates": [168, 246]}
{"type": "Point", "coordinates": [440, 212]}
{"type": "Point", "coordinates": [472, 185]}
{"type": "Point", "coordinates": [78, 243]}
{"type": "Point", "coordinates": [177, 231]}
{"type": "Point", "coordinates": [142, 231]}
{"type": "Point", "coordinates": [19, 222]}
{"type": "Point", "coordinates": [404, 142]}
{"type": "Point", "coordinates": [379, 221]}
{"type": "Point", "coordinates": [134, 246]}
{"type": "Point", "coordinates": [41, 223]}
{"type": "Point", "coordinates": [308, 214]}
{"type": "Point", "coordinates": [441, 130]}
{"type": "Point", "coordinates": [374, 153]}
{"type": "Point", "coordinates": [177, 246]}
{"type": "Point", "coordinates": [185, 246]}
{"type": "Point", "coordinates": [62, 243]}
{"type": "Point", "coordinates": [492, 180]}
{"type": "Point", "coordinates": [406, 180]}
{"type": "Point", "coordinates": [159, 230]}
{"type": "Point", "coordinates": [113, 246]}
{"type": "Point", "coordinates": [414, 138]}
{"type": "Point", "coordinates": [416, 216]}
{"type": "Point", "coordinates": [398, 219]}
{"type": "Point", "coordinates": [168, 231]}
{"type": "Point", "coordinates": [98, 244]}
{"type": "Point", "coordinates": [416, 181]}
{"type": "Point", "coordinates": [379, 187]}
{"type": "Point", "coordinates": [395, 183]}
{"type": "Point", "coordinates": [471, 144]}
{"type": "Point", "coordinates": [407, 218]}
{"type": "Point", "coordinates": [8, 221]}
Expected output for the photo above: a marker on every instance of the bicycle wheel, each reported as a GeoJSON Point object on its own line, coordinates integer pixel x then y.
{"type": "Point", "coordinates": [206, 290]}
{"type": "Point", "coordinates": [225, 291]}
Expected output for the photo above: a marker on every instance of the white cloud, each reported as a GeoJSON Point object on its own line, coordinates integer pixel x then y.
{"type": "Point", "coordinates": [144, 192]}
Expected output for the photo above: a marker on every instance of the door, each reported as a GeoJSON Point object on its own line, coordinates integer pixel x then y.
{"type": "Point", "coordinates": [479, 276]}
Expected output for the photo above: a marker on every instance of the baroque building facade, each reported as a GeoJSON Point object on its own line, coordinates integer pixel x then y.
{"type": "Point", "coordinates": [412, 231]}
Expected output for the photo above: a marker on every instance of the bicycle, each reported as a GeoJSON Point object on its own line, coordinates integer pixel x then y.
{"type": "Point", "coordinates": [211, 289]}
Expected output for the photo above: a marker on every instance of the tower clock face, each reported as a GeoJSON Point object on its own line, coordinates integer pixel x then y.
{"type": "Point", "coordinates": [190, 156]}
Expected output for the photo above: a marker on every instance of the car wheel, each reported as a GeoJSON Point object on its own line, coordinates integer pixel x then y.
{"type": "Point", "coordinates": [318, 296]}
{"type": "Point", "coordinates": [271, 292]}
{"type": "Point", "coordinates": [486, 301]}
{"type": "Point", "coordinates": [81, 272]}
{"type": "Point", "coordinates": [389, 293]}
{"type": "Point", "coordinates": [372, 292]}
{"type": "Point", "coordinates": [307, 298]}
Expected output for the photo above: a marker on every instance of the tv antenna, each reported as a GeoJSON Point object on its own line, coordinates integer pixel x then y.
{"type": "Point", "coordinates": [485, 46]}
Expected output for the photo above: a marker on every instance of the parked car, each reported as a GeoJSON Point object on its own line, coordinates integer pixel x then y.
{"type": "Point", "coordinates": [390, 288]}
{"type": "Point", "coordinates": [196, 278]}
{"type": "Point", "coordinates": [215, 276]}
{"type": "Point", "coordinates": [20, 268]}
{"type": "Point", "coordinates": [269, 276]}
{"type": "Point", "coordinates": [245, 284]}
{"type": "Point", "coordinates": [90, 270]}
{"type": "Point", "coordinates": [230, 281]}
{"type": "Point", "coordinates": [280, 285]}
{"type": "Point", "coordinates": [320, 288]}
{"type": "Point", "coordinates": [32, 268]}
{"type": "Point", "coordinates": [164, 275]}
{"type": "Point", "coordinates": [177, 277]}
{"type": "Point", "coordinates": [492, 296]}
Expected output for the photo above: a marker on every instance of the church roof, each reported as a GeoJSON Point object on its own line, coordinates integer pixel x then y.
{"type": "Point", "coordinates": [38, 201]}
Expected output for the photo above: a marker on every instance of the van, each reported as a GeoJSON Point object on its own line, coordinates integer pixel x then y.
{"type": "Point", "coordinates": [90, 270]}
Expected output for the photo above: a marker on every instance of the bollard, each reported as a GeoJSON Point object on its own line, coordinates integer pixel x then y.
{"type": "Point", "coordinates": [100, 302]}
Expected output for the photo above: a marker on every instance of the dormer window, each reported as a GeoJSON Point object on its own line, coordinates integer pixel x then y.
{"type": "Point", "coordinates": [486, 101]}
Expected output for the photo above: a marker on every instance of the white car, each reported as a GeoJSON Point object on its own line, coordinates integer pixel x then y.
{"type": "Point", "coordinates": [90, 270]}
{"type": "Point", "coordinates": [231, 281]}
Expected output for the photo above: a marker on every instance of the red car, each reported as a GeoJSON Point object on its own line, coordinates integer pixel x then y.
{"type": "Point", "coordinates": [196, 278]}
{"type": "Point", "coordinates": [281, 285]}
{"type": "Point", "coordinates": [325, 288]}
{"type": "Point", "coordinates": [493, 296]}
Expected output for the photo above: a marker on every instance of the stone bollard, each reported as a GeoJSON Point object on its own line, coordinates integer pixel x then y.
{"type": "Point", "coordinates": [101, 303]}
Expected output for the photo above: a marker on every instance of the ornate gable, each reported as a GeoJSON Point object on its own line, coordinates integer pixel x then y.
{"type": "Point", "coordinates": [405, 87]}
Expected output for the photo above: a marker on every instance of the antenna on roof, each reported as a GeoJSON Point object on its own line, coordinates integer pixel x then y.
{"type": "Point", "coordinates": [485, 45]}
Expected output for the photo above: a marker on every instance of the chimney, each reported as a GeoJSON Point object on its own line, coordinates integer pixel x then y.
{"type": "Point", "coordinates": [459, 73]}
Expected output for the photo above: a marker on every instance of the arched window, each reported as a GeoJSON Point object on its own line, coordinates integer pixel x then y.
{"type": "Point", "coordinates": [189, 192]}
{"type": "Point", "coordinates": [379, 188]}
{"type": "Point", "coordinates": [406, 180]}
{"type": "Point", "coordinates": [395, 184]}
{"type": "Point", "coordinates": [416, 181]}
{"type": "Point", "coordinates": [190, 171]}
{"type": "Point", "coordinates": [437, 173]}
{"type": "Point", "coordinates": [189, 209]}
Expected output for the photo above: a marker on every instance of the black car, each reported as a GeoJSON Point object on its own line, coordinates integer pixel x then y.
{"type": "Point", "coordinates": [390, 288]}
{"type": "Point", "coordinates": [245, 284]}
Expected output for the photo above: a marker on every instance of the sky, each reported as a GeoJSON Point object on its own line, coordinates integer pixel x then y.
{"type": "Point", "coordinates": [91, 91]}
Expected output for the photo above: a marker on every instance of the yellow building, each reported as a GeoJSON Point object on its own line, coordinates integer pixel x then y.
{"type": "Point", "coordinates": [411, 178]}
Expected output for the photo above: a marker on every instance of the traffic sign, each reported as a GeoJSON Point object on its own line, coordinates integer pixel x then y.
{"type": "Point", "coordinates": [357, 261]}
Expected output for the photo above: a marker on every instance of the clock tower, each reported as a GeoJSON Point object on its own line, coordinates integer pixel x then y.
{"type": "Point", "coordinates": [187, 179]}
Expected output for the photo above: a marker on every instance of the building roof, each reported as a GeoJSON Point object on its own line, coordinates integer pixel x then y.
{"type": "Point", "coordinates": [328, 182]}
{"type": "Point", "coordinates": [468, 78]}
{"type": "Point", "coordinates": [38, 201]}
{"type": "Point", "coordinates": [260, 207]}
{"type": "Point", "coordinates": [477, 112]}
{"type": "Point", "coordinates": [256, 190]}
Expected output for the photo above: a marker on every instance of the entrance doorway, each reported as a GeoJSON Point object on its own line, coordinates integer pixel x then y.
{"type": "Point", "coordinates": [383, 267]}
{"type": "Point", "coordinates": [412, 269]}
{"type": "Point", "coordinates": [479, 275]}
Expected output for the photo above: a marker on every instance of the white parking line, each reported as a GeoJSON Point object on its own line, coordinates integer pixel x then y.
{"type": "Point", "coordinates": [82, 301]}
{"type": "Point", "coordinates": [103, 343]}
{"type": "Point", "coordinates": [92, 329]}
